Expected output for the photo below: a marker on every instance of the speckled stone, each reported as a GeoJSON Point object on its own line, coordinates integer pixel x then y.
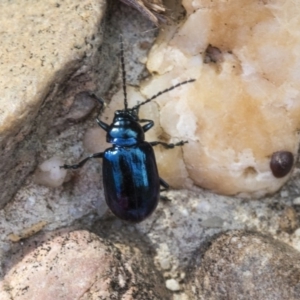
{"type": "Point", "coordinates": [241, 265]}
{"type": "Point", "coordinates": [79, 265]}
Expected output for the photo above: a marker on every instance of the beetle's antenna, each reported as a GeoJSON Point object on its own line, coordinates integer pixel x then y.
{"type": "Point", "coordinates": [162, 92]}
{"type": "Point", "coordinates": [123, 72]}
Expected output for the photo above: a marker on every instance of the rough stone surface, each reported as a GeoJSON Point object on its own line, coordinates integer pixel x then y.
{"type": "Point", "coordinates": [79, 265]}
{"type": "Point", "coordinates": [176, 231]}
{"type": "Point", "coordinates": [180, 227]}
{"type": "Point", "coordinates": [179, 230]}
{"type": "Point", "coordinates": [36, 207]}
{"type": "Point", "coordinates": [38, 62]}
{"type": "Point", "coordinates": [241, 265]}
{"type": "Point", "coordinates": [63, 134]}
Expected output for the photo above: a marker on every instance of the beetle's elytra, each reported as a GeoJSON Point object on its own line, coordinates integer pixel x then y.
{"type": "Point", "coordinates": [130, 176]}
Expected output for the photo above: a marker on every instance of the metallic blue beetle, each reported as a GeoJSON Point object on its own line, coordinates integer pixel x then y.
{"type": "Point", "coordinates": [130, 176]}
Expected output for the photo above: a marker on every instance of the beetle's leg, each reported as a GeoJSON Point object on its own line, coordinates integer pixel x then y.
{"type": "Point", "coordinates": [81, 163]}
{"type": "Point", "coordinates": [168, 146]}
{"type": "Point", "coordinates": [164, 184]}
{"type": "Point", "coordinates": [149, 125]}
{"type": "Point", "coordinates": [165, 188]}
{"type": "Point", "coordinates": [103, 125]}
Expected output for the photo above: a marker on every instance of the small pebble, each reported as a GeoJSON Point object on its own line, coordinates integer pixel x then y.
{"type": "Point", "coordinates": [284, 194]}
{"type": "Point", "coordinates": [173, 285]}
{"type": "Point", "coordinates": [297, 232]}
{"type": "Point", "coordinates": [296, 201]}
{"type": "Point", "coordinates": [204, 206]}
{"type": "Point", "coordinates": [182, 296]}
{"type": "Point", "coordinates": [49, 173]}
{"type": "Point", "coordinates": [165, 263]}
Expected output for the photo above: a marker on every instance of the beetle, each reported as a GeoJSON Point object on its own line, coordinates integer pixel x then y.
{"type": "Point", "coordinates": [130, 177]}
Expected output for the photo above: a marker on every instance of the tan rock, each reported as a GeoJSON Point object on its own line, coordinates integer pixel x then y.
{"type": "Point", "coordinates": [244, 105]}
{"type": "Point", "coordinates": [38, 58]}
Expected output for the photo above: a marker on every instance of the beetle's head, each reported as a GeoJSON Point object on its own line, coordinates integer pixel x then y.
{"type": "Point", "coordinates": [125, 129]}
